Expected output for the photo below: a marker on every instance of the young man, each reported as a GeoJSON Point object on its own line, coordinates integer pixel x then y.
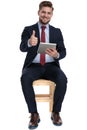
{"type": "Point", "coordinates": [46, 66]}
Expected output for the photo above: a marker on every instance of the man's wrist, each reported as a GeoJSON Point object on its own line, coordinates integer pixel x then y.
{"type": "Point", "coordinates": [28, 43]}
{"type": "Point", "coordinates": [58, 55]}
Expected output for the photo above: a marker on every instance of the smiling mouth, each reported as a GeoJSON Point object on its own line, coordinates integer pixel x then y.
{"type": "Point", "coordinates": [45, 18]}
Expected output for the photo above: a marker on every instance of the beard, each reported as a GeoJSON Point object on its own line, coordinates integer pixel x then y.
{"type": "Point", "coordinates": [43, 22]}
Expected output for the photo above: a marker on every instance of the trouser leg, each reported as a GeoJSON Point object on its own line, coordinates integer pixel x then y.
{"type": "Point", "coordinates": [59, 94]}
{"type": "Point", "coordinates": [27, 79]}
{"type": "Point", "coordinates": [28, 92]}
{"type": "Point", "coordinates": [57, 75]}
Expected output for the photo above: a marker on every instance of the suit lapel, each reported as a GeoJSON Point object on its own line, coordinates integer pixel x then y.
{"type": "Point", "coordinates": [50, 34]}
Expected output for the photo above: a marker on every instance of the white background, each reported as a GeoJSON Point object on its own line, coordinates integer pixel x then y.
{"type": "Point", "coordinates": [70, 17]}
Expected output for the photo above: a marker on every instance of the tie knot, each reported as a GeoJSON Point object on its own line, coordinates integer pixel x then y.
{"type": "Point", "coordinates": [43, 27]}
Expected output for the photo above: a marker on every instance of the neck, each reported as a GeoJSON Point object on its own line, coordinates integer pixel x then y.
{"type": "Point", "coordinates": [42, 24]}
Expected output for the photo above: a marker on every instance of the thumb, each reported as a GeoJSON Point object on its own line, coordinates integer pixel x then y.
{"type": "Point", "coordinates": [33, 33]}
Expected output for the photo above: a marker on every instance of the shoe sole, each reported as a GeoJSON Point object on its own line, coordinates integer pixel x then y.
{"type": "Point", "coordinates": [34, 127]}
{"type": "Point", "coordinates": [55, 123]}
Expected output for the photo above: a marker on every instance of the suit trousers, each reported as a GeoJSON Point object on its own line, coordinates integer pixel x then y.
{"type": "Point", "coordinates": [49, 71]}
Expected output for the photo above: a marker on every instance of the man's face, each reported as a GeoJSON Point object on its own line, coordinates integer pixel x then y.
{"type": "Point", "coordinates": [45, 15]}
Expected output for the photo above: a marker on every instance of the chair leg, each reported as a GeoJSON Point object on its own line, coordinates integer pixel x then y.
{"type": "Point", "coordinates": [51, 105]}
{"type": "Point", "coordinates": [51, 92]}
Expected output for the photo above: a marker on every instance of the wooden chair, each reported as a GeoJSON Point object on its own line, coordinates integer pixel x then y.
{"type": "Point", "coordinates": [45, 97]}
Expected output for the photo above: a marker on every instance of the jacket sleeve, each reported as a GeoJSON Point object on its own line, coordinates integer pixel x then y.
{"type": "Point", "coordinates": [24, 40]}
{"type": "Point", "coordinates": [60, 45]}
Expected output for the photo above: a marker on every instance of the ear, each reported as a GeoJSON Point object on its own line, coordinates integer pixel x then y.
{"type": "Point", "coordinates": [38, 12]}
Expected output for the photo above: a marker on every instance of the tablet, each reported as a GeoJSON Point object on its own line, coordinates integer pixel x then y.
{"type": "Point", "coordinates": [43, 46]}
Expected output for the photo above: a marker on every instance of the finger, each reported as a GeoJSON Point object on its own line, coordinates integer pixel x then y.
{"type": "Point", "coordinates": [49, 50]}
{"type": "Point", "coordinates": [52, 49]}
{"type": "Point", "coordinates": [33, 33]}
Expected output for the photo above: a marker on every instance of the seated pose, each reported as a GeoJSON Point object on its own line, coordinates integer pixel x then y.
{"type": "Point", "coordinates": [43, 66]}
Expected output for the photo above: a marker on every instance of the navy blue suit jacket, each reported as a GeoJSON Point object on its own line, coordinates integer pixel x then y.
{"type": "Point", "coordinates": [55, 36]}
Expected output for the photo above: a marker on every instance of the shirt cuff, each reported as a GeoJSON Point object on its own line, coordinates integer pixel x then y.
{"type": "Point", "coordinates": [28, 44]}
{"type": "Point", "coordinates": [57, 56]}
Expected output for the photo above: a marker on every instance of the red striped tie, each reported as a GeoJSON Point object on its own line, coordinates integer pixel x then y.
{"type": "Point", "coordinates": [42, 56]}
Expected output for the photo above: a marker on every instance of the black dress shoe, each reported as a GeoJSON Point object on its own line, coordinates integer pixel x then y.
{"type": "Point", "coordinates": [34, 121]}
{"type": "Point", "coordinates": [56, 119]}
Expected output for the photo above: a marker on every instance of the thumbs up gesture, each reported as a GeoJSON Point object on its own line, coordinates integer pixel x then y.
{"type": "Point", "coordinates": [33, 39]}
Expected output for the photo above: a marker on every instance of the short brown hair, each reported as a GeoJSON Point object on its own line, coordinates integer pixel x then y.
{"type": "Point", "coordinates": [45, 4]}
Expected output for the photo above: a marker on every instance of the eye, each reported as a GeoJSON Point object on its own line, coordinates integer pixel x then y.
{"type": "Point", "coordinates": [49, 13]}
{"type": "Point", "coordinates": [43, 12]}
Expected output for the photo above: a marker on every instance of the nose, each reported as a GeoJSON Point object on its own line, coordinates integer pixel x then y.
{"type": "Point", "coordinates": [46, 14]}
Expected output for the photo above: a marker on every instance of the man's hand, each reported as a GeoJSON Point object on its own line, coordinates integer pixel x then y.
{"type": "Point", "coordinates": [52, 52]}
{"type": "Point", "coordinates": [33, 40]}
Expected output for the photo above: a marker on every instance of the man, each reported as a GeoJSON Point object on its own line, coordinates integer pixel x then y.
{"type": "Point", "coordinates": [34, 68]}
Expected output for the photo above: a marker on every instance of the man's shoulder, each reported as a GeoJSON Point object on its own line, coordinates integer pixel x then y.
{"type": "Point", "coordinates": [54, 28]}
{"type": "Point", "coordinates": [31, 26]}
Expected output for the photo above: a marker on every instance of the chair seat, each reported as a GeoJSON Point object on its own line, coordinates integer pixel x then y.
{"type": "Point", "coordinates": [43, 82]}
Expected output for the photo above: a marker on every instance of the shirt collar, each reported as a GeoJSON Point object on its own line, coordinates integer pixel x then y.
{"type": "Point", "coordinates": [39, 25]}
